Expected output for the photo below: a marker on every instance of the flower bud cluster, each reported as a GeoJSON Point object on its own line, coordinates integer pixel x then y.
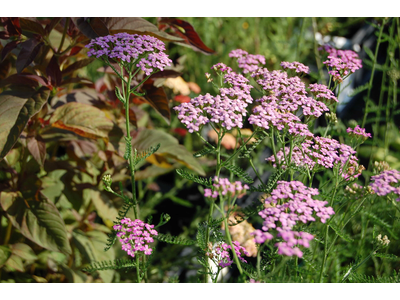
{"type": "Point", "coordinates": [135, 236]}
{"type": "Point", "coordinates": [223, 187]}
{"type": "Point", "coordinates": [383, 241]}
{"type": "Point", "coordinates": [380, 167]}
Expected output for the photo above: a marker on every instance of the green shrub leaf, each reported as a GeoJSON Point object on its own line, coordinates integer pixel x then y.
{"type": "Point", "coordinates": [37, 219]}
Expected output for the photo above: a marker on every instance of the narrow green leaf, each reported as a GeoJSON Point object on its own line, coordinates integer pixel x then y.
{"type": "Point", "coordinates": [203, 181]}
{"type": "Point", "coordinates": [359, 89]}
{"type": "Point", "coordinates": [180, 201]}
{"type": "Point", "coordinates": [387, 256]}
{"type": "Point", "coordinates": [369, 53]}
{"type": "Point", "coordinates": [203, 152]}
{"type": "Point", "coordinates": [240, 173]}
{"type": "Point", "coordinates": [341, 234]}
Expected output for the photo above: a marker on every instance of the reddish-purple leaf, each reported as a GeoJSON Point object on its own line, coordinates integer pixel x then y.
{"type": "Point", "coordinates": [186, 31]}
{"type": "Point", "coordinates": [82, 148]}
{"type": "Point", "coordinates": [81, 81]}
{"type": "Point", "coordinates": [77, 65]}
{"type": "Point", "coordinates": [165, 74]}
{"type": "Point", "coordinates": [94, 27]}
{"type": "Point", "coordinates": [91, 27]}
{"type": "Point", "coordinates": [75, 50]}
{"type": "Point", "coordinates": [8, 48]}
{"type": "Point", "coordinates": [29, 51]}
{"type": "Point", "coordinates": [157, 98]}
{"type": "Point", "coordinates": [53, 23]}
{"type": "Point", "coordinates": [24, 80]}
{"type": "Point", "coordinates": [32, 26]}
{"type": "Point", "coordinates": [53, 71]}
{"type": "Point", "coordinates": [37, 148]}
{"type": "Point", "coordinates": [11, 26]}
{"type": "Point", "coordinates": [5, 68]}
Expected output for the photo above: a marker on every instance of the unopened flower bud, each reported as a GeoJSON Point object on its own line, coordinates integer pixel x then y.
{"type": "Point", "coordinates": [107, 182]}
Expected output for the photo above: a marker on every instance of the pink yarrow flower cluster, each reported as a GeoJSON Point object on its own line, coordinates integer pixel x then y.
{"type": "Point", "coordinates": [324, 152]}
{"type": "Point", "coordinates": [144, 50]}
{"type": "Point", "coordinates": [386, 183]}
{"type": "Point", "coordinates": [289, 93]}
{"type": "Point", "coordinates": [296, 66]}
{"type": "Point", "coordinates": [226, 109]}
{"type": "Point", "coordinates": [341, 62]}
{"type": "Point", "coordinates": [359, 132]}
{"type": "Point", "coordinates": [222, 186]}
{"type": "Point", "coordinates": [221, 256]}
{"type": "Point", "coordinates": [248, 62]}
{"type": "Point", "coordinates": [269, 115]}
{"type": "Point", "coordinates": [135, 236]}
{"type": "Point", "coordinates": [298, 206]}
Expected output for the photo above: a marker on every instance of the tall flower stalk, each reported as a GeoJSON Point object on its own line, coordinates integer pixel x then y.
{"type": "Point", "coordinates": [133, 54]}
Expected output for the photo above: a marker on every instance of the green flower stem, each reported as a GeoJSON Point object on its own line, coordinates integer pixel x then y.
{"type": "Point", "coordinates": [359, 265]}
{"type": "Point", "coordinates": [239, 150]}
{"type": "Point", "coordinates": [375, 127]}
{"type": "Point", "coordinates": [211, 210]}
{"type": "Point", "coordinates": [255, 171]}
{"type": "Point", "coordinates": [207, 143]}
{"type": "Point", "coordinates": [372, 74]}
{"type": "Point", "coordinates": [316, 53]}
{"type": "Point", "coordinates": [273, 147]}
{"type": "Point", "coordinates": [228, 236]}
{"type": "Point", "coordinates": [327, 231]}
{"type": "Point", "coordinates": [259, 261]}
{"type": "Point", "coordinates": [290, 157]}
{"type": "Point", "coordinates": [128, 135]}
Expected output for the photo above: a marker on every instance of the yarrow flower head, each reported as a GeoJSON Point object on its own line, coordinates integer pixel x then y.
{"type": "Point", "coordinates": [135, 236]}
{"type": "Point", "coordinates": [341, 62]}
{"type": "Point", "coordinates": [143, 50]}
{"type": "Point", "coordinates": [386, 183]}
{"type": "Point", "coordinates": [324, 152]}
{"type": "Point", "coordinates": [222, 186]}
{"type": "Point", "coordinates": [220, 256]}
{"type": "Point", "coordinates": [296, 66]}
{"type": "Point", "coordinates": [297, 205]}
{"type": "Point", "coordinates": [226, 109]}
{"type": "Point", "coordinates": [358, 132]}
{"type": "Point", "coordinates": [248, 62]}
